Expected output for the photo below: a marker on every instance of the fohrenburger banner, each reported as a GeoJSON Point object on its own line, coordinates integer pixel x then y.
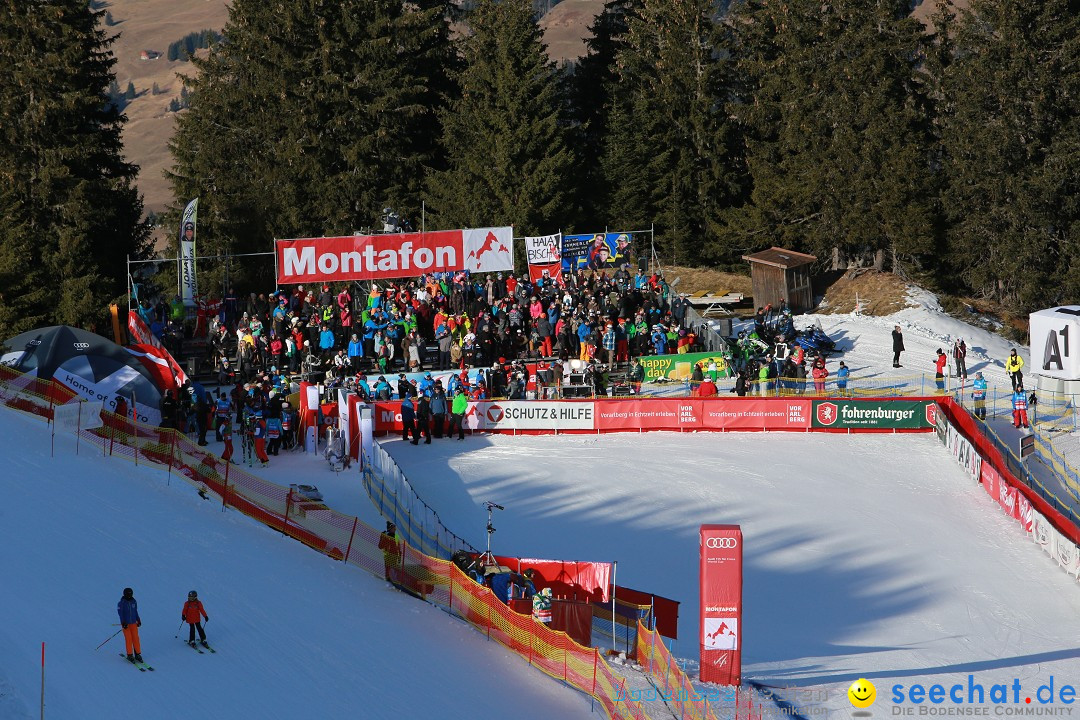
{"type": "Point", "coordinates": [377, 257]}
{"type": "Point", "coordinates": [188, 286]}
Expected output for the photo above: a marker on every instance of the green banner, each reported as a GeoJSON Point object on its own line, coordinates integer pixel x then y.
{"type": "Point", "coordinates": [680, 367]}
{"type": "Point", "coordinates": [883, 414]}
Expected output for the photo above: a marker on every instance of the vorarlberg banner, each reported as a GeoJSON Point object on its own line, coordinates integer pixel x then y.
{"type": "Point", "coordinates": [188, 286]}
{"type": "Point", "coordinates": [876, 414]}
{"type": "Point", "coordinates": [380, 257]}
{"type": "Point", "coordinates": [679, 367]}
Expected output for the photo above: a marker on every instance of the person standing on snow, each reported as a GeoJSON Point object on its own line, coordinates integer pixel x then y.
{"type": "Point", "coordinates": [978, 394]}
{"type": "Point", "coordinates": [959, 352]}
{"type": "Point", "coordinates": [192, 614]}
{"type": "Point", "coordinates": [391, 550]}
{"type": "Point", "coordinates": [1020, 401]}
{"type": "Point", "coordinates": [939, 370]}
{"type": "Point", "coordinates": [457, 413]}
{"type": "Point", "coordinates": [128, 609]}
{"type": "Point", "coordinates": [897, 346]}
{"type": "Point", "coordinates": [1013, 366]}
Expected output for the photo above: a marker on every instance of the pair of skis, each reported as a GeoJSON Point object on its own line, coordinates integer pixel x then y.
{"type": "Point", "coordinates": [196, 648]}
{"type": "Point", "coordinates": [143, 667]}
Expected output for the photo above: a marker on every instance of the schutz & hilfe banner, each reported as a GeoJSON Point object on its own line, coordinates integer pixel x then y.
{"type": "Point", "coordinates": [379, 257]}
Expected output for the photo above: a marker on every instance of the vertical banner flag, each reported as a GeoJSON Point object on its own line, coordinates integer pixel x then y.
{"type": "Point", "coordinates": [188, 286]}
{"type": "Point", "coordinates": [596, 251]}
{"type": "Point", "coordinates": [545, 257]}
{"type": "Point", "coordinates": [721, 577]}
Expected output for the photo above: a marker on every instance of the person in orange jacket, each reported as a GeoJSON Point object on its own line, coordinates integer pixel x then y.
{"type": "Point", "coordinates": [192, 614]}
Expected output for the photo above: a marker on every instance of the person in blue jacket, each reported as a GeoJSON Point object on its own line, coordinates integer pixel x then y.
{"type": "Point", "coordinates": [427, 383]}
{"type": "Point", "coordinates": [842, 378]}
{"type": "Point", "coordinates": [659, 340]}
{"type": "Point", "coordinates": [978, 394]}
{"type": "Point", "coordinates": [363, 388]}
{"type": "Point", "coordinates": [408, 418]}
{"type": "Point", "coordinates": [326, 342]}
{"type": "Point", "coordinates": [128, 609]}
{"type": "Point", "coordinates": [355, 352]}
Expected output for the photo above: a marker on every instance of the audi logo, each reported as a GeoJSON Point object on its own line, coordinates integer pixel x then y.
{"type": "Point", "coordinates": [82, 346]}
{"type": "Point", "coordinates": [721, 543]}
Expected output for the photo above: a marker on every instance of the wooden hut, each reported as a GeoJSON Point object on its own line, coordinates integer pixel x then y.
{"type": "Point", "coordinates": [778, 274]}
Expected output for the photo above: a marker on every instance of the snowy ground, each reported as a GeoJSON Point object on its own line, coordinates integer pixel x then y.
{"type": "Point", "coordinates": [298, 635]}
{"type": "Point", "coordinates": [867, 556]}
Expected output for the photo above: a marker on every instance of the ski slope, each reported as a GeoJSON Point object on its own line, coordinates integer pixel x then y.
{"type": "Point", "coordinates": [866, 555]}
{"type": "Point", "coordinates": [298, 635]}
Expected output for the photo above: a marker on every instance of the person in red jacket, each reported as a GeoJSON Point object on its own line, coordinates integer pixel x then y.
{"type": "Point", "coordinates": [260, 441]}
{"type": "Point", "coordinates": [225, 428]}
{"type": "Point", "coordinates": [939, 370]}
{"type": "Point", "coordinates": [192, 614]}
{"type": "Point", "coordinates": [707, 388]}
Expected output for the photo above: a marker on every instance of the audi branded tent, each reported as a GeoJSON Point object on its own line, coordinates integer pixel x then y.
{"type": "Point", "coordinates": [91, 366]}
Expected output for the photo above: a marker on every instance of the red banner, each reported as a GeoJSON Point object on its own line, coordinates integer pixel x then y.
{"type": "Point", "coordinates": [376, 257]}
{"type": "Point", "coordinates": [721, 578]}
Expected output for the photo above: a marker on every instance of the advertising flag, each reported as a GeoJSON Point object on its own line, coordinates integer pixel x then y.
{"type": "Point", "coordinates": [188, 286]}
{"type": "Point", "coordinates": [720, 555]}
{"type": "Point", "coordinates": [545, 257]}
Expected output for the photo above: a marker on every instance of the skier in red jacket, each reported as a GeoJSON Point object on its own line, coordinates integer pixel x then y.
{"type": "Point", "coordinates": [192, 614]}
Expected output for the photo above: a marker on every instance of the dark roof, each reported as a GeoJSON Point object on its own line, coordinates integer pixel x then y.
{"type": "Point", "coordinates": [781, 258]}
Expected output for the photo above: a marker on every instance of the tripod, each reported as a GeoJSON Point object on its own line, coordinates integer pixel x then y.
{"type": "Point", "coordinates": [486, 559]}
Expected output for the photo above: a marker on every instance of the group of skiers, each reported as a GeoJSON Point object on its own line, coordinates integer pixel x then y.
{"type": "Point", "coordinates": [193, 613]}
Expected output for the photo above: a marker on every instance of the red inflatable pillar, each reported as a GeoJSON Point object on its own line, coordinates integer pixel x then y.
{"type": "Point", "coordinates": [721, 577]}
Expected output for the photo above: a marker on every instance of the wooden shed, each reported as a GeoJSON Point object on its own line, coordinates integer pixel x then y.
{"type": "Point", "coordinates": [778, 274]}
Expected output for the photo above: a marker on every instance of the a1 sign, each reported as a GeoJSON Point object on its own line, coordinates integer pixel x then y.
{"type": "Point", "coordinates": [1054, 337]}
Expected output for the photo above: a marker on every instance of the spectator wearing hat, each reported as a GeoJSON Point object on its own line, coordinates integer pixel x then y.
{"type": "Point", "coordinates": [842, 375]}
{"type": "Point", "coordinates": [408, 418]}
{"type": "Point", "coordinates": [897, 346]}
{"type": "Point", "coordinates": [978, 394]}
{"type": "Point", "coordinates": [1013, 367]}
{"type": "Point", "coordinates": [939, 370]}
{"type": "Point", "coordinates": [438, 408]}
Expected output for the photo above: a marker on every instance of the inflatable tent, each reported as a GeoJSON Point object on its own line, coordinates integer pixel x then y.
{"type": "Point", "coordinates": [91, 366]}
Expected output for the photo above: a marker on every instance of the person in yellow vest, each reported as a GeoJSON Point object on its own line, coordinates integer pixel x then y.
{"type": "Point", "coordinates": [1013, 367]}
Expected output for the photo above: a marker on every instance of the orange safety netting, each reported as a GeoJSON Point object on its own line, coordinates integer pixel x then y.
{"type": "Point", "coordinates": [342, 537]}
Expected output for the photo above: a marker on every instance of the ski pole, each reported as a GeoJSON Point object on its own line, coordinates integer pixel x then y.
{"type": "Point", "coordinates": [110, 638]}
{"type": "Point", "coordinates": [179, 629]}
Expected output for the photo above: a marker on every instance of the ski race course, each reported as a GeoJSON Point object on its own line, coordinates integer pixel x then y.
{"type": "Point", "coordinates": [868, 556]}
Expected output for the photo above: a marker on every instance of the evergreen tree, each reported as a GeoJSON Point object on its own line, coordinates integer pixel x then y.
{"type": "Point", "coordinates": [1011, 138]}
{"type": "Point", "coordinates": [670, 153]}
{"type": "Point", "coordinates": [130, 94]}
{"type": "Point", "coordinates": [837, 125]}
{"type": "Point", "coordinates": [70, 212]}
{"type": "Point", "coordinates": [309, 118]}
{"type": "Point", "coordinates": [507, 152]}
{"type": "Point", "coordinates": [591, 90]}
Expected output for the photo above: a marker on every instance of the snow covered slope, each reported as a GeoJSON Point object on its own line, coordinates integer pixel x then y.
{"type": "Point", "coordinates": [298, 635]}
{"type": "Point", "coordinates": [867, 555]}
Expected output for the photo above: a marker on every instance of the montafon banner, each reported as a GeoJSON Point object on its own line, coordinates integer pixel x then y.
{"type": "Point", "coordinates": [381, 257]}
{"type": "Point", "coordinates": [874, 414]}
{"type": "Point", "coordinates": [720, 558]}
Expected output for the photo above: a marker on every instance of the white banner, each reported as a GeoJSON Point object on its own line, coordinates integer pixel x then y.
{"type": "Point", "coordinates": [530, 415]}
{"type": "Point", "coordinates": [1043, 533]}
{"type": "Point", "coordinates": [188, 286]}
{"type": "Point", "coordinates": [544, 250]}
{"type": "Point", "coordinates": [66, 417]}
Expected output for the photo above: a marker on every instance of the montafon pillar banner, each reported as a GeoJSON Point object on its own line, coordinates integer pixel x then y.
{"type": "Point", "coordinates": [721, 558]}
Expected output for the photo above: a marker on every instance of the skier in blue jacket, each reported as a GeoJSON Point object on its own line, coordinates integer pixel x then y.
{"type": "Point", "coordinates": [128, 609]}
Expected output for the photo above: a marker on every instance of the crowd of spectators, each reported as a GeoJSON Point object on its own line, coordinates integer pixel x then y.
{"type": "Point", "coordinates": [447, 321]}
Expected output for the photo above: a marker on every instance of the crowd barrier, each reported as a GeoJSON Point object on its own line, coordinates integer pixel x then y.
{"type": "Point", "coordinates": [396, 500]}
{"type": "Point", "coordinates": [1056, 532]}
{"type": "Point", "coordinates": [686, 415]}
{"type": "Point", "coordinates": [341, 537]}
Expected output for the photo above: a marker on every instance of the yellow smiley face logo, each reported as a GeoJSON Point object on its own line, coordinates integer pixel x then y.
{"type": "Point", "coordinates": [862, 693]}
